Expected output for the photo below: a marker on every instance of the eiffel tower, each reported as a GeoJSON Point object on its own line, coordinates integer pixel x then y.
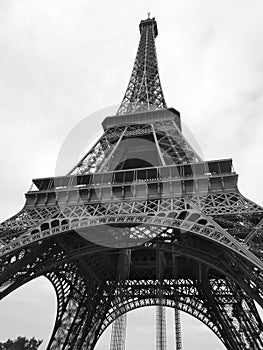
{"type": "Point", "coordinates": [141, 220]}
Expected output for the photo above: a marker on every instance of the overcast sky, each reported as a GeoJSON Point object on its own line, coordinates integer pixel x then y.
{"type": "Point", "coordinates": [62, 60]}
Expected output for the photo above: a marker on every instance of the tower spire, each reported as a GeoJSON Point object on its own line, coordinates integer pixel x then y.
{"type": "Point", "coordinates": [144, 90]}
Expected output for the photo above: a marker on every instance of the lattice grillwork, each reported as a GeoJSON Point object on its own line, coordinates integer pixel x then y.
{"type": "Point", "coordinates": [144, 90]}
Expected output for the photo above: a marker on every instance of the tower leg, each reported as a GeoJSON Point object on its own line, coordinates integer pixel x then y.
{"type": "Point", "coordinates": [160, 327]}
{"type": "Point", "coordinates": [118, 333]}
{"type": "Point", "coordinates": [177, 318]}
{"type": "Point", "coordinates": [241, 326]}
{"type": "Point", "coordinates": [177, 324]}
{"type": "Point", "coordinates": [160, 309]}
{"type": "Point", "coordinates": [81, 311]}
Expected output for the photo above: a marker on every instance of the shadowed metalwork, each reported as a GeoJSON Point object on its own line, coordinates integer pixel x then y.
{"type": "Point", "coordinates": [144, 91]}
{"type": "Point", "coordinates": [141, 220]}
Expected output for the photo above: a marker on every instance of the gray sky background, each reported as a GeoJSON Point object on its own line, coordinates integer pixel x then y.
{"type": "Point", "coordinates": [61, 60]}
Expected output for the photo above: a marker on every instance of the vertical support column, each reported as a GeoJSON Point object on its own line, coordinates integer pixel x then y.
{"type": "Point", "coordinates": [160, 309]}
{"type": "Point", "coordinates": [177, 327]}
{"type": "Point", "coordinates": [177, 318]}
{"type": "Point", "coordinates": [118, 332]}
{"type": "Point", "coordinates": [160, 327]}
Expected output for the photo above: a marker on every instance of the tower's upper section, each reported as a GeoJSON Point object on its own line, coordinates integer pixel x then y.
{"type": "Point", "coordinates": [144, 92]}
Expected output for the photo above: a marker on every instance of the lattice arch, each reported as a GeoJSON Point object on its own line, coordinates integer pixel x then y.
{"type": "Point", "coordinates": [146, 302]}
{"type": "Point", "coordinates": [185, 220]}
{"type": "Point", "coordinates": [190, 304]}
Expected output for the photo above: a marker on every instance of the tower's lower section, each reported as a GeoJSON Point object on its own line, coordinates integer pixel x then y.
{"type": "Point", "coordinates": [91, 297]}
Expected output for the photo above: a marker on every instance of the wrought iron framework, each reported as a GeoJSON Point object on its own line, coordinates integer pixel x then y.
{"type": "Point", "coordinates": [144, 91]}
{"type": "Point", "coordinates": [141, 220]}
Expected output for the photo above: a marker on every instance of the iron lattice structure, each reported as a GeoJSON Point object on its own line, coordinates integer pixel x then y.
{"type": "Point", "coordinates": [141, 220]}
{"type": "Point", "coordinates": [144, 91]}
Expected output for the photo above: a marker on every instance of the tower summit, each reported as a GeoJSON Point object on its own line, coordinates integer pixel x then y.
{"type": "Point", "coordinates": [144, 92]}
{"type": "Point", "coordinates": [141, 220]}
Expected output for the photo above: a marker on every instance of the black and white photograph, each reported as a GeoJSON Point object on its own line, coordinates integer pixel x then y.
{"type": "Point", "coordinates": [131, 192]}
